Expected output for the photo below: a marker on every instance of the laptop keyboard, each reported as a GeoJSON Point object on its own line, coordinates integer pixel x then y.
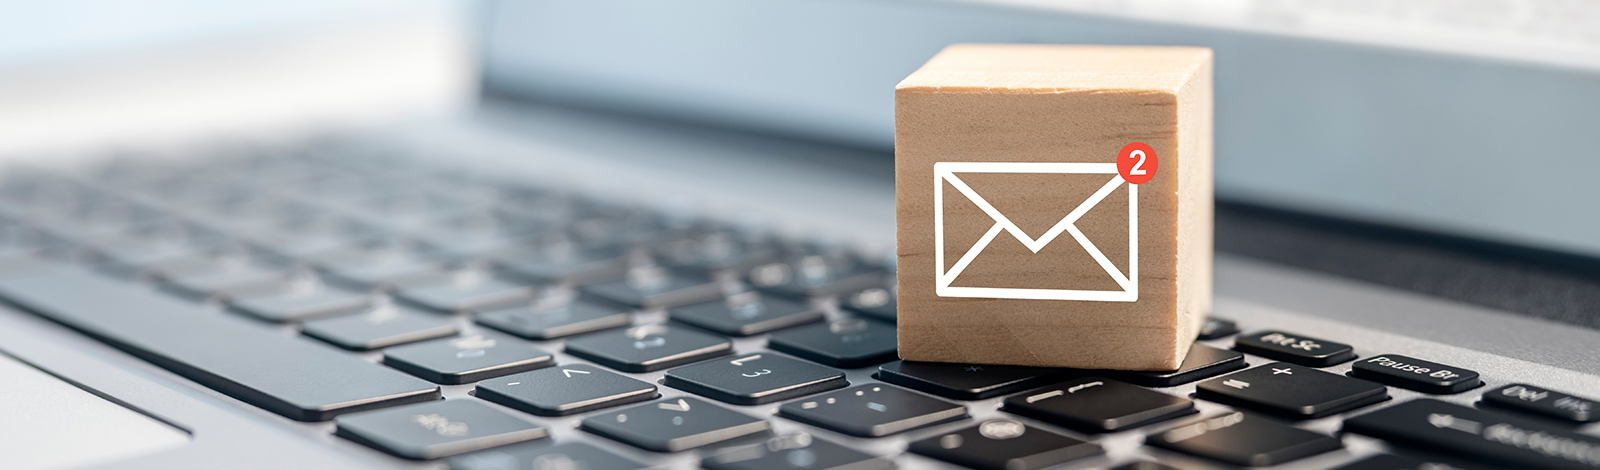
{"type": "Point", "coordinates": [477, 322]}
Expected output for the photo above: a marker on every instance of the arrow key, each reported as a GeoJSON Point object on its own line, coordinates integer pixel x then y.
{"type": "Point", "coordinates": [565, 390]}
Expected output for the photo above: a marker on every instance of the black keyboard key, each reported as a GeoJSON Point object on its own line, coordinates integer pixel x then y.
{"type": "Point", "coordinates": [755, 379]}
{"type": "Point", "coordinates": [1415, 374]}
{"type": "Point", "coordinates": [674, 425]}
{"type": "Point", "coordinates": [232, 355]}
{"type": "Point", "coordinates": [1215, 328]}
{"type": "Point", "coordinates": [470, 290]}
{"type": "Point", "coordinates": [1397, 462]}
{"type": "Point", "coordinates": [466, 359]}
{"type": "Point", "coordinates": [794, 451]}
{"type": "Point", "coordinates": [655, 287]}
{"type": "Point", "coordinates": [1097, 404]}
{"type": "Point", "coordinates": [746, 314]}
{"type": "Point", "coordinates": [647, 348]}
{"type": "Point", "coordinates": [1203, 362]}
{"type": "Point", "coordinates": [568, 266]}
{"type": "Point", "coordinates": [1242, 439]}
{"type": "Point", "coordinates": [1457, 430]}
{"type": "Point", "coordinates": [1146, 465]}
{"type": "Point", "coordinates": [301, 302]}
{"type": "Point", "coordinates": [878, 302]}
{"type": "Point", "coordinates": [1293, 391]}
{"type": "Point", "coordinates": [545, 320]}
{"type": "Point", "coordinates": [1002, 444]}
{"type": "Point", "coordinates": [716, 250]}
{"type": "Point", "coordinates": [1531, 399]}
{"type": "Point", "coordinates": [847, 343]}
{"type": "Point", "coordinates": [379, 327]}
{"type": "Point", "coordinates": [872, 410]}
{"type": "Point", "coordinates": [965, 381]}
{"type": "Point", "coordinates": [808, 276]}
{"type": "Point", "coordinates": [384, 268]}
{"type": "Point", "coordinates": [1302, 350]}
{"type": "Point", "coordinates": [541, 456]}
{"type": "Point", "coordinates": [432, 430]}
{"type": "Point", "coordinates": [565, 390]}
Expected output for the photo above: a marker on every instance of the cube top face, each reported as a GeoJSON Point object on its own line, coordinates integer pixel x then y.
{"type": "Point", "coordinates": [1021, 240]}
{"type": "Point", "coordinates": [1053, 68]}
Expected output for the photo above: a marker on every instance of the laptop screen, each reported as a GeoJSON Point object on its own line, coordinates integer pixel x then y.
{"type": "Point", "coordinates": [1429, 121]}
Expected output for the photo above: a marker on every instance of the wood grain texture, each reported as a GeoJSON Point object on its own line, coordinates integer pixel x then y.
{"type": "Point", "coordinates": [1042, 103]}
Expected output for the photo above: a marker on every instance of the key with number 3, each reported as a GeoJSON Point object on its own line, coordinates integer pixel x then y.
{"type": "Point", "coordinates": [755, 379]}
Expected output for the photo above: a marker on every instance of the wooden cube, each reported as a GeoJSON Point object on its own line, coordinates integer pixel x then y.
{"type": "Point", "coordinates": [1017, 214]}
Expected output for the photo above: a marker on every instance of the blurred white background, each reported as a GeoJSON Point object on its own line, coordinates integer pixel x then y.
{"type": "Point", "coordinates": [80, 75]}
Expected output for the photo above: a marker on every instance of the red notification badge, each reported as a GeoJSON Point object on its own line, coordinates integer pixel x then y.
{"type": "Point", "coordinates": [1136, 163]}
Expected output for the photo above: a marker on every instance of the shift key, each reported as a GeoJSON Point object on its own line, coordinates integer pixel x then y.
{"type": "Point", "coordinates": [291, 376]}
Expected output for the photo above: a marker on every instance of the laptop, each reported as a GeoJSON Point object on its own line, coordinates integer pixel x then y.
{"type": "Point", "coordinates": [663, 238]}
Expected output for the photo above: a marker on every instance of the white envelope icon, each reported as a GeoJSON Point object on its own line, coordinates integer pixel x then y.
{"type": "Point", "coordinates": [945, 172]}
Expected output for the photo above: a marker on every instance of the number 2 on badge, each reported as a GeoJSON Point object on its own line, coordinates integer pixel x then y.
{"type": "Point", "coordinates": [1136, 163]}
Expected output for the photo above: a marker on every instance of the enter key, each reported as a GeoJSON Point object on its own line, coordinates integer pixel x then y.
{"type": "Point", "coordinates": [1510, 441]}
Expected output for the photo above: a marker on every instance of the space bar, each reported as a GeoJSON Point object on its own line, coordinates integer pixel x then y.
{"type": "Point", "coordinates": [288, 375]}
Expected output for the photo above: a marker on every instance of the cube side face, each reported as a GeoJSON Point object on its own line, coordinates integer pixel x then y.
{"type": "Point", "coordinates": [1152, 332]}
{"type": "Point", "coordinates": [1196, 205]}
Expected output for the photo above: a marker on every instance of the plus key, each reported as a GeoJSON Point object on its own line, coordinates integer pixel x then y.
{"type": "Point", "coordinates": [1298, 349]}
